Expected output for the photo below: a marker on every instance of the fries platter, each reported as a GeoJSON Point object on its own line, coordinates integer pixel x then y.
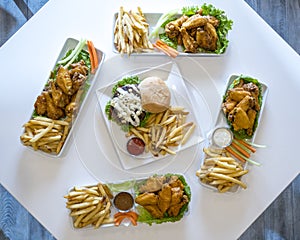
{"type": "Point", "coordinates": [212, 159]}
{"type": "Point", "coordinates": [180, 97]}
{"type": "Point", "coordinates": [82, 202]}
{"type": "Point", "coordinates": [51, 131]}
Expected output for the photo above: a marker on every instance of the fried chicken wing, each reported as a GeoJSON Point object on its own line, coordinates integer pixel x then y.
{"type": "Point", "coordinates": [53, 111]}
{"type": "Point", "coordinates": [246, 103]}
{"type": "Point", "coordinates": [252, 116]}
{"type": "Point", "coordinates": [237, 94]}
{"type": "Point", "coordinates": [175, 209]}
{"type": "Point", "coordinates": [195, 21]}
{"type": "Point", "coordinates": [239, 118]}
{"type": "Point", "coordinates": [40, 104]}
{"type": "Point", "coordinates": [164, 198]}
{"type": "Point", "coordinates": [172, 28]}
{"type": "Point", "coordinates": [154, 211]}
{"type": "Point", "coordinates": [60, 99]}
{"type": "Point", "coordinates": [63, 80]}
{"type": "Point", "coordinates": [153, 184]}
{"type": "Point", "coordinates": [177, 194]}
{"type": "Point", "coordinates": [146, 199]}
{"type": "Point", "coordinates": [189, 42]}
{"type": "Point", "coordinates": [228, 105]}
{"type": "Point", "coordinates": [207, 37]}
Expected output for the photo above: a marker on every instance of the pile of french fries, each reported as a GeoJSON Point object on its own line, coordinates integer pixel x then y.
{"type": "Point", "coordinates": [42, 133]}
{"type": "Point", "coordinates": [131, 32]}
{"type": "Point", "coordinates": [90, 205]}
{"type": "Point", "coordinates": [221, 171]}
{"type": "Point", "coordinates": [165, 130]}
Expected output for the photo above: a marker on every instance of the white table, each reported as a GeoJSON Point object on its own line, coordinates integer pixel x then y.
{"type": "Point", "coordinates": [39, 182]}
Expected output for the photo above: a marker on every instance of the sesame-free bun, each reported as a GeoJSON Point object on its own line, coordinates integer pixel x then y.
{"type": "Point", "coordinates": [155, 95]}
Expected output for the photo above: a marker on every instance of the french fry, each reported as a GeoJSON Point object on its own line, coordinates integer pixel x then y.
{"type": "Point", "coordinates": [131, 32]}
{"type": "Point", "coordinates": [42, 133]}
{"type": "Point", "coordinates": [164, 131]}
{"type": "Point", "coordinates": [220, 171]}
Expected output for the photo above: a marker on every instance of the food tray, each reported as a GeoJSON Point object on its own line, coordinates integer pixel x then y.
{"type": "Point", "coordinates": [179, 97]}
{"type": "Point", "coordinates": [69, 44]}
{"type": "Point", "coordinates": [222, 122]}
{"type": "Point", "coordinates": [152, 19]}
{"type": "Point", "coordinates": [131, 186]}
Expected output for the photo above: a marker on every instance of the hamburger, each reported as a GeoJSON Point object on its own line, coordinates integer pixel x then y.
{"type": "Point", "coordinates": [155, 95]}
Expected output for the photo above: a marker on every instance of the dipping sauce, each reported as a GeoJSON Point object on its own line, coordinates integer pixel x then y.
{"type": "Point", "coordinates": [135, 146]}
{"type": "Point", "coordinates": [222, 137]}
{"type": "Point", "coordinates": [123, 201]}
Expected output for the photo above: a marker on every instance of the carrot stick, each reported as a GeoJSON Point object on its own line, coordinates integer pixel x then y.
{"type": "Point", "coordinates": [170, 49]}
{"type": "Point", "coordinates": [94, 57]}
{"type": "Point", "coordinates": [166, 48]}
{"type": "Point", "coordinates": [229, 149]}
{"type": "Point", "coordinates": [91, 57]}
{"type": "Point", "coordinates": [119, 219]}
{"type": "Point", "coordinates": [241, 150]}
{"type": "Point", "coordinates": [120, 216]}
{"type": "Point", "coordinates": [162, 49]}
{"type": "Point", "coordinates": [252, 149]}
{"type": "Point", "coordinates": [132, 214]}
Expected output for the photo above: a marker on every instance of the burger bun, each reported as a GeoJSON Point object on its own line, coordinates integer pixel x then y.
{"type": "Point", "coordinates": [155, 95]}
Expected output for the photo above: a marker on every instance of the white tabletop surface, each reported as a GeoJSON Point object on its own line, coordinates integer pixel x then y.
{"type": "Point", "coordinates": [39, 183]}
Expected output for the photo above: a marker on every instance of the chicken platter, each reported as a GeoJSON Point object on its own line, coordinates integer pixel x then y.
{"type": "Point", "coordinates": [241, 106]}
{"type": "Point", "coordinates": [154, 199]}
{"type": "Point", "coordinates": [57, 106]}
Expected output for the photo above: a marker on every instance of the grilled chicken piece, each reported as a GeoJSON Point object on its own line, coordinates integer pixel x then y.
{"type": "Point", "coordinates": [72, 108]}
{"type": "Point", "coordinates": [40, 104]}
{"type": "Point", "coordinates": [194, 22]}
{"type": "Point", "coordinates": [60, 99]}
{"type": "Point", "coordinates": [172, 28]}
{"type": "Point", "coordinates": [53, 111]}
{"type": "Point", "coordinates": [189, 43]}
